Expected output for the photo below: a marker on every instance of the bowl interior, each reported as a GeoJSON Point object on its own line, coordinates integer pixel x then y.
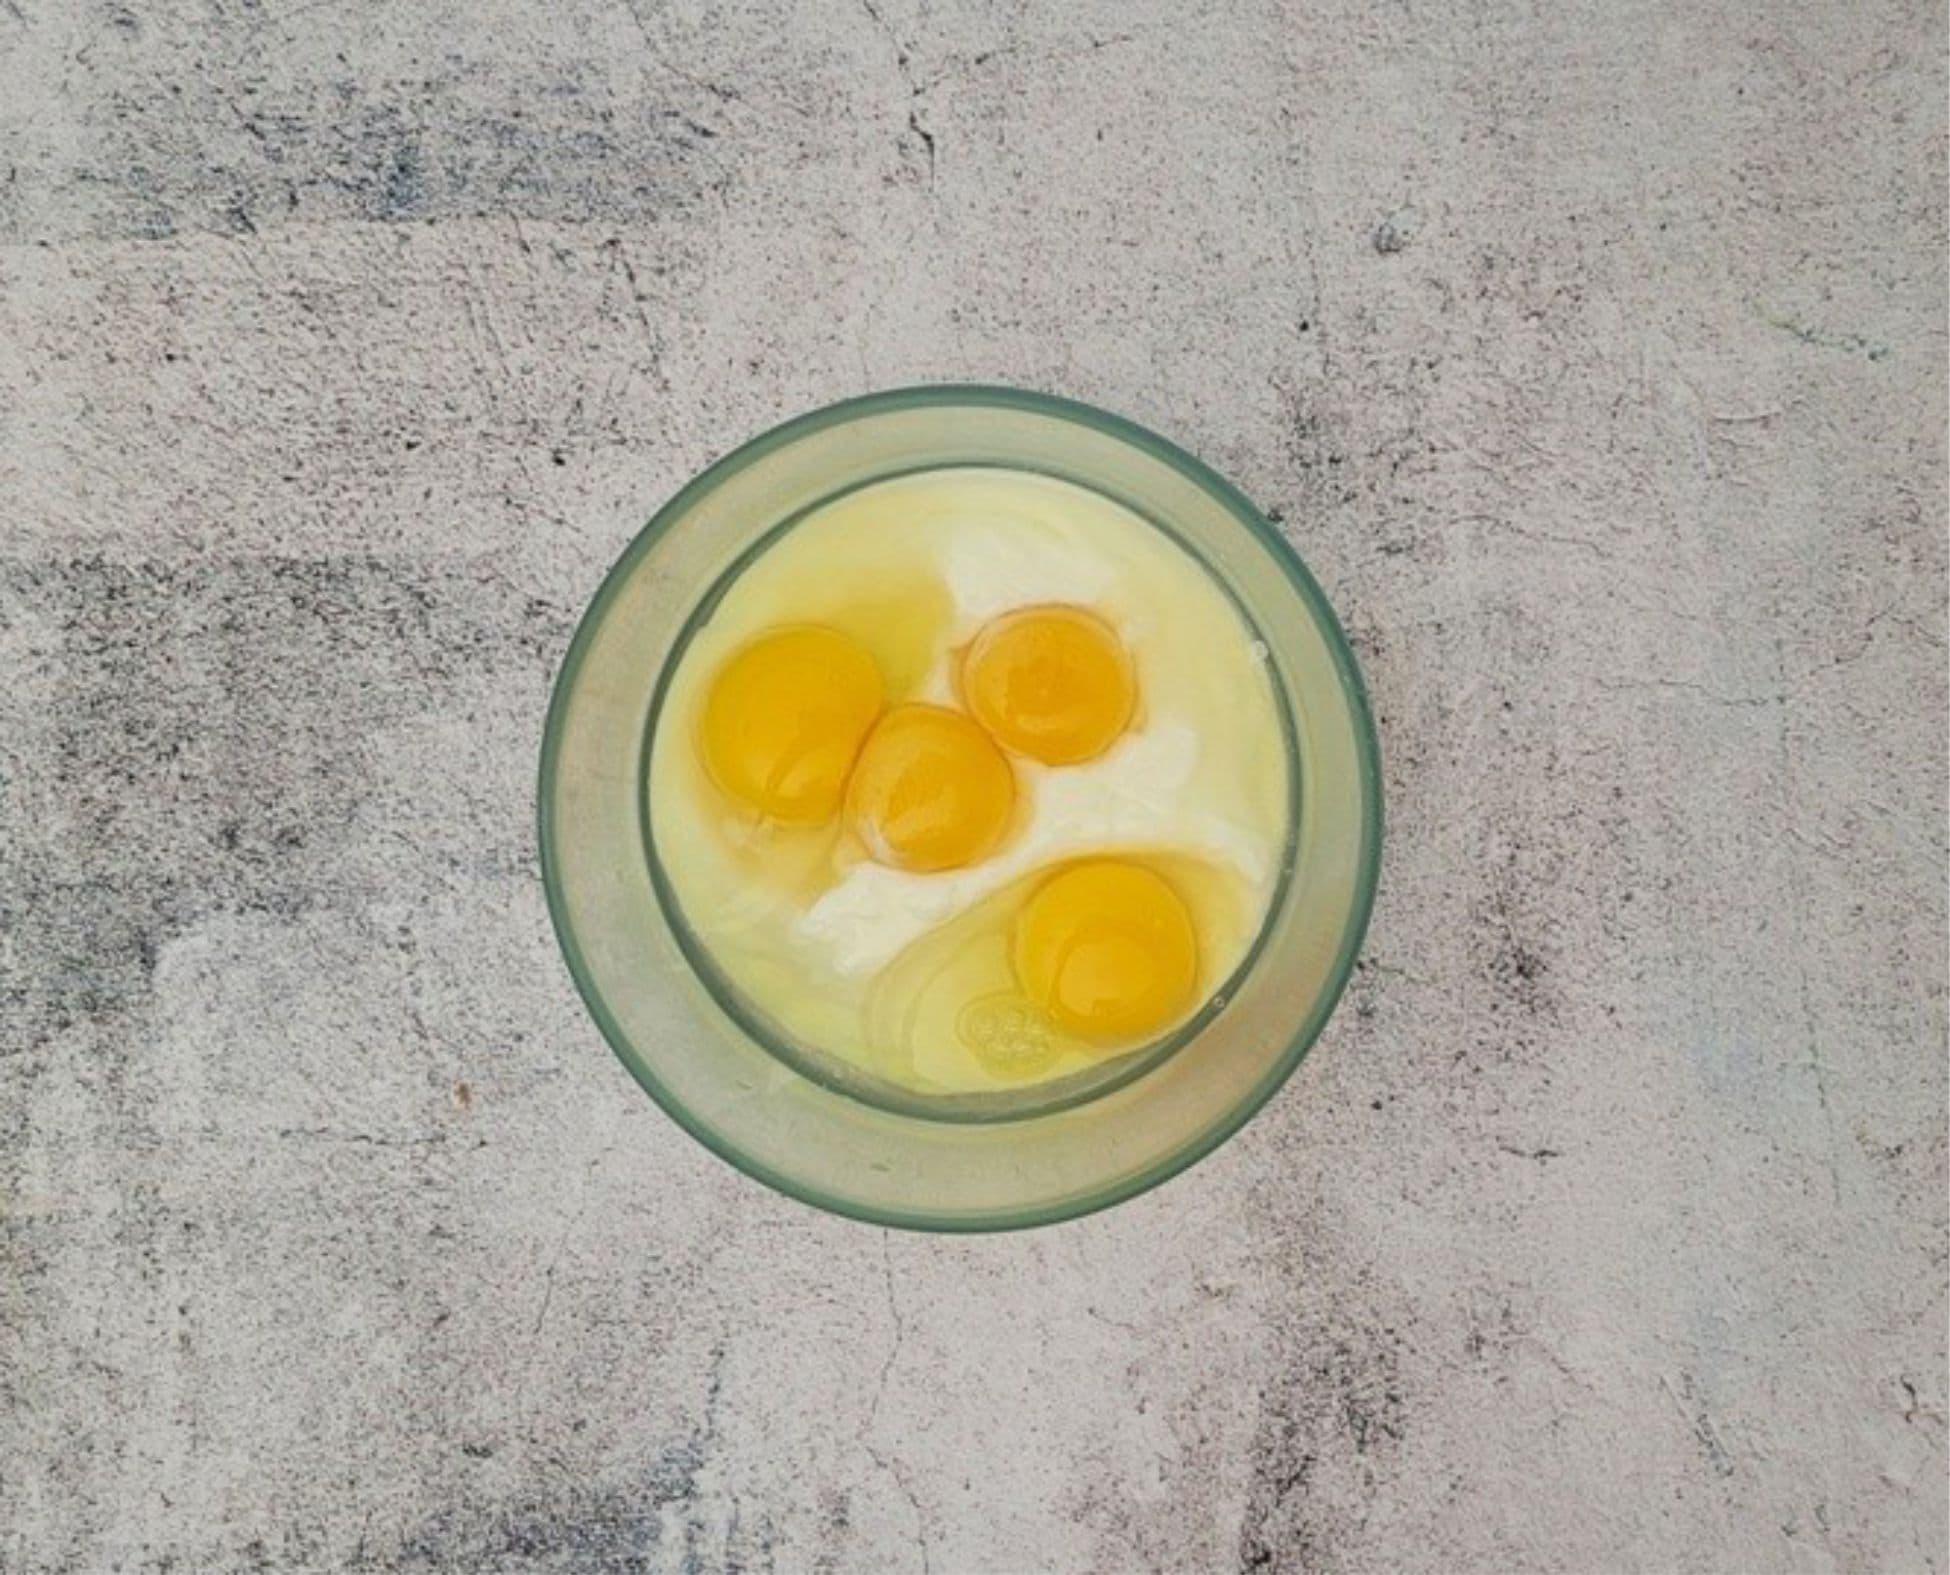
{"type": "Point", "coordinates": [1011, 1104]}
{"type": "Point", "coordinates": [811, 1135]}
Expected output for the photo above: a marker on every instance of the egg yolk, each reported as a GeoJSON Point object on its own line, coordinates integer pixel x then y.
{"type": "Point", "coordinates": [784, 720]}
{"type": "Point", "coordinates": [1052, 683]}
{"type": "Point", "coordinates": [1107, 948]}
{"type": "Point", "coordinates": [930, 791]}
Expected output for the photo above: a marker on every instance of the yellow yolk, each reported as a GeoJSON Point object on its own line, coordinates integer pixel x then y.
{"type": "Point", "coordinates": [1107, 948]}
{"type": "Point", "coordinates": [1052, 683]}
{"type": "Point", "coordinates": [930, 791]}
{"type": "Point", "coordinates": [784, 720]}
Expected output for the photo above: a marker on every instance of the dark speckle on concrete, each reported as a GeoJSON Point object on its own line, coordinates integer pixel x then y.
{"type": "Point", "coordinates": [1394, 233]}
{"type": "Point", "coordinates": [615, 1530]}
{"type": "Point", "coordinates": [403, 189]}
{"type": "Point", "coordinates": [229, 718]}
{"type": "Point", "coordinates": [578, 147]}
{"type": "Point", "coordinates": [1323, 1434]}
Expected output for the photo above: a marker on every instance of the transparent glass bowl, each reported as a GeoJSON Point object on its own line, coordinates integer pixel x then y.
{"type": "Point", "coordinates": [804, 1134]}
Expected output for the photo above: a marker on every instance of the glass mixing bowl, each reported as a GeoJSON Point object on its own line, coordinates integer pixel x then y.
{"type": "Point", "coordinates": [773, 1113]}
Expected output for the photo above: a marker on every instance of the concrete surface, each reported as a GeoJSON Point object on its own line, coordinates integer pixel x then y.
{"type": "Point", "coordinates": [1593, 353]}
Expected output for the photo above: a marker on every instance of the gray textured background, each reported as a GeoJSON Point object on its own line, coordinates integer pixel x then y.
{"type": "Point", "coordinates": [1592, 352]}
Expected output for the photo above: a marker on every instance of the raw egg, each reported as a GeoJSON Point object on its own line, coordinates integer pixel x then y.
{"type": "Point", "coordinates": [1108, 949]}
{"type": "Point", "coordinates": [785, 718]}
{"type": "Point", "coordinates": [931, 790]}
{"type": "Point", "coordinates": [1052, 683]}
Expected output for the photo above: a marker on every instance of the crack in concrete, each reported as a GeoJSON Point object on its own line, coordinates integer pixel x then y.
{"type": "Point", "coordinates": [916, 91]}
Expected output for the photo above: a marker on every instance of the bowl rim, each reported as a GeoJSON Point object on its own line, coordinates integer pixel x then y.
{"type": "Point", "coordinates": [1368, 760]}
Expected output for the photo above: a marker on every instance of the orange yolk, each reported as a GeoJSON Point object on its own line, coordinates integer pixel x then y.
{"type": "Point", "coordinates": [1052, 683]}
{"type": "Point", "coordinates": [784, 720]}
{"type": "Point", "coordinates": [1108, 950]}
{"type": "Point", "coordinates": [931, 791]}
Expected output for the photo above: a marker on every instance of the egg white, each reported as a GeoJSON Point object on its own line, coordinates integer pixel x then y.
{"type": "Point", "coordinates": [1135, 795]}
